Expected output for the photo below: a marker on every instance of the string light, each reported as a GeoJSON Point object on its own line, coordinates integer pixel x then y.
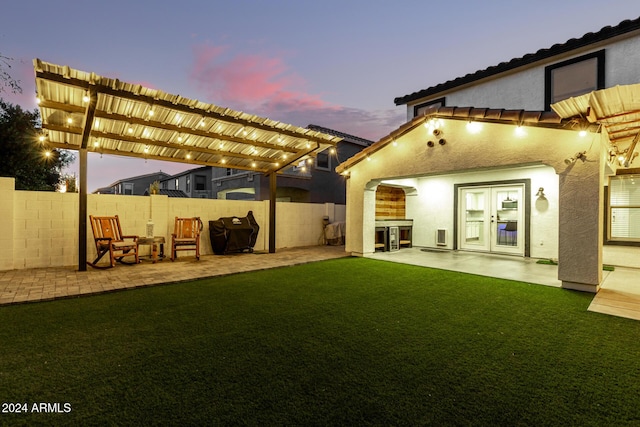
{"type": "Point", "coordinates": [474, 127]}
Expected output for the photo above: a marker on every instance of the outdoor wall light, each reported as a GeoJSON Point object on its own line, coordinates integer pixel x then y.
{"type": "Point", "coordinates": [540, 192]}
{"type": "Point", "coordinates": [582, 155]}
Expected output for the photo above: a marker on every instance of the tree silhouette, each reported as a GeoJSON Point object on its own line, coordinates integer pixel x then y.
{"type": "Point", "coordinates": [23, 156]}
{"type": "Point", "coordinates": [6, 81]}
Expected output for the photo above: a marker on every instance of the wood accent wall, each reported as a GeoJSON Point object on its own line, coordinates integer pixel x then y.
{"type": "Point", "coordinates": [390, 203]}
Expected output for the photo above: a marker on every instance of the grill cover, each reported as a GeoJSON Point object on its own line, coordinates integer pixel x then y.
{"type": "Point", "coordinates": [233, 234]}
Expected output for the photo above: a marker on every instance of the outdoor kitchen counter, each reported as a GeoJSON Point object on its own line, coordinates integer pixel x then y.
{"type": "Point", "coordinates": [383, 239]}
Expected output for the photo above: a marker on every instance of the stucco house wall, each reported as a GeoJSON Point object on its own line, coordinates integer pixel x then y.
{"type": "Point", "coordinates": [574, 194]}
{"type": "Point", "coordinates": [431, 206]}
{"type": "Point", "coordinates": [523, 88]}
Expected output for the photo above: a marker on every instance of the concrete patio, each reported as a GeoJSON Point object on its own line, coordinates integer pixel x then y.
{"type": "Point", "coordinates": [44, 284]}
{"type": "Point", "coordinates": [619, 294]}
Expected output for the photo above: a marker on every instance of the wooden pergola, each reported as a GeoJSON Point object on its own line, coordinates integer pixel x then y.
{"type": "Point", "coordinates": [86, 112]}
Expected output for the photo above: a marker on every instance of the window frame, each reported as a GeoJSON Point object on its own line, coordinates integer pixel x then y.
{"type": "Point", "coordinates": [600, 73]}
{"type": "Point", "coordinates": [607, 220]}
{"type": "Point", "coordinates": [430, 103]}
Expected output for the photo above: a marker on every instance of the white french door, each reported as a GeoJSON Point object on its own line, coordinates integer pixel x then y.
{"type": "Point", "coordinates": [491, 219]}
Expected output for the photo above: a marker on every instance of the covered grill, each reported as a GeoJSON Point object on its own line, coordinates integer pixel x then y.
{"type": "Point", "coordinates": [233, 234]}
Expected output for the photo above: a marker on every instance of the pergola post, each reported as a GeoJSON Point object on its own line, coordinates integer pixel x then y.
{"type": "Point", "coordinates": [82, 211]}
{"type": "Point", "coordinates": [272, 212]}
{"type": "Point", "coordinates": [87, 125]}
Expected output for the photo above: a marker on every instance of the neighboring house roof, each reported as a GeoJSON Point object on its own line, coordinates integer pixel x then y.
{"type": "Point", "coordinates": [530, 118]}
{"type": "Point", "coordinates": [170, 193]}
{"type": "Point", "coordinates": [345, 136]}
{"type": "Point", "coordinates": [159, 175]}
{"type": "Point", "coordinates": [104, 190]}
{"type": "Point", "coordinates": [188, 172]}
{"type": "Point", "coordinates": [572, 44]}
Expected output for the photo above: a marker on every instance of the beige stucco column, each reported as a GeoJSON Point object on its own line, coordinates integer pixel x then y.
{"type": "Point", "coordinates": [580, 225]}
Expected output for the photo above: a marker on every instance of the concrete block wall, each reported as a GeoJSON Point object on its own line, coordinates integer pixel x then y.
{"type": "Point", "coordinates": [299, 224]}
{"type": "Point", "coordinates": [42, 227]}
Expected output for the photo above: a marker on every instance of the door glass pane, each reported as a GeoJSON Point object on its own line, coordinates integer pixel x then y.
{"type": "Point", "coordinates": [506, 225]}
{"type": "Point", "coordinates": [474, 218]}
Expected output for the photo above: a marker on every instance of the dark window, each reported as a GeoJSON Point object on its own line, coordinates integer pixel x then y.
{"type": "Point", "coordinates": [128, 188]}
{"type": "Point", "coordinates": [574, 77]}
{"type": "Point", "coordinates": [421, 109]}
{"type": "Point", "coordinates": [322, 161]}
{"type": "Point", "coordinates": [201, 182]}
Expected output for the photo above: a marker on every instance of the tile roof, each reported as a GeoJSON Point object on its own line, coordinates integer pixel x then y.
{"type": "Point", "coordinates": [605, 33]}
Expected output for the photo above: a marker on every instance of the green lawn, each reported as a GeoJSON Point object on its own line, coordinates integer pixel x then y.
{"type": "Point", "coordinates": [344, 342]}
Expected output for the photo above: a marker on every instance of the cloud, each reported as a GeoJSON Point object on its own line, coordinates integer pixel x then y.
{"type": "Point", "coordinates": [266, 86]}
{"type": "Point", "coordinates": [248, 81]}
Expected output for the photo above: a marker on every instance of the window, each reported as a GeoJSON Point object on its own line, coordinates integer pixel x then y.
{"type": "Point", "coordinates": [323, 161]}
{"type": "Point", "coordinates": [201, 182]}
{"type": "Point", "coordinates": [574, 77]}
{"type": "Point", "coordinates": [421, 109]}
{"type": "Point", "coordinates": [128, 188]}
{"type": "Point", "coordinates": [177, 184]}
{"type": "Point", "coordinates": [624, 208]}
{"type": "Point", "coordinates": [188, 183]}
{"type": "Point", "coordinates": [229, 172]}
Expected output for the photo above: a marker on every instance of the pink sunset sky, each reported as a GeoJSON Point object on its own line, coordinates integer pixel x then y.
{"type": "Point", "coordinates": [337, 64]}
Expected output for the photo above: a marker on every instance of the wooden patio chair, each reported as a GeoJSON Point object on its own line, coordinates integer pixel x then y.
{"type": "Point", "coordinates": [110, 240]}
{"type": "Point", "coordinates": [186, 236]}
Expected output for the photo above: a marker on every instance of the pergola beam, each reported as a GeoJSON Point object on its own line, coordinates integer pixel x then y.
{"type": "Point", "coordinates": [227, 115]}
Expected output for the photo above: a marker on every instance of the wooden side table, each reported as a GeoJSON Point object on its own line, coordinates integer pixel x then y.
{"type": "Point", "coordinates": [154, 242]}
